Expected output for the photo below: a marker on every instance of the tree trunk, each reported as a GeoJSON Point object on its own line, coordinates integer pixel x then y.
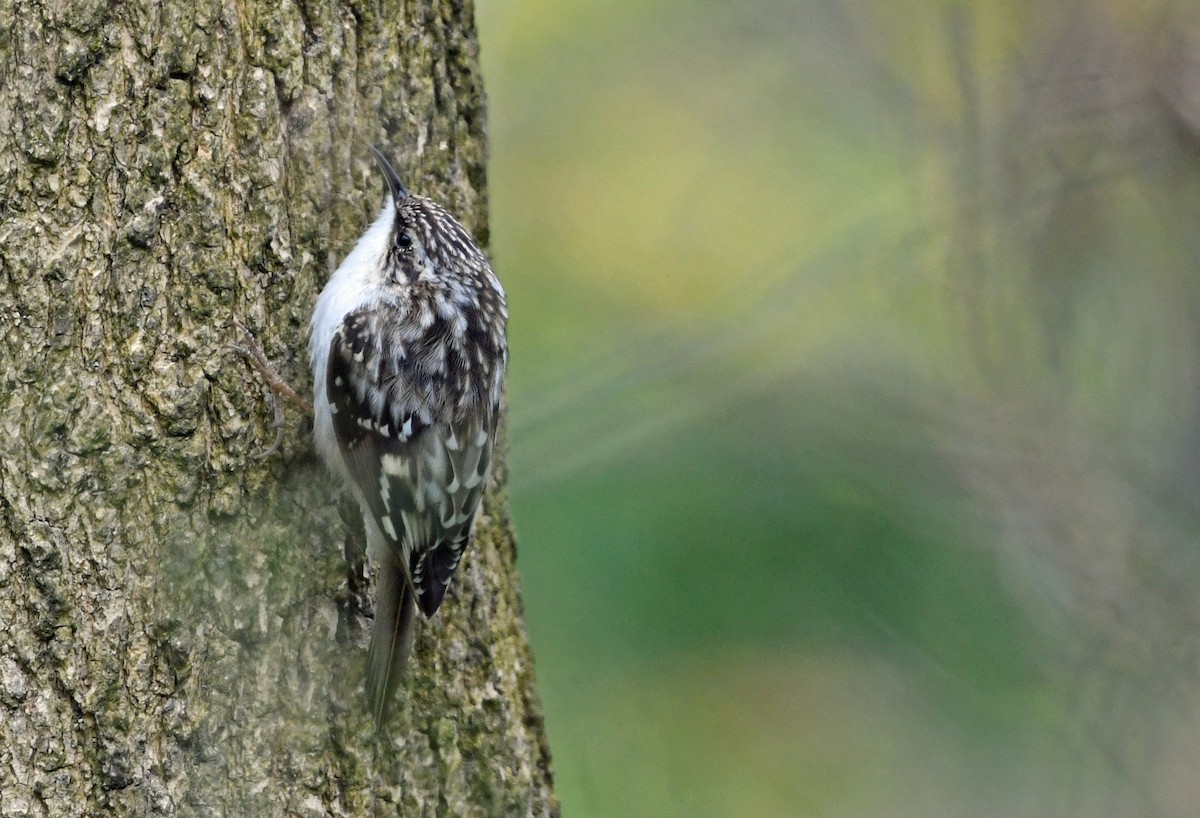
{"type": "Point", "coordinates": [183, 634]}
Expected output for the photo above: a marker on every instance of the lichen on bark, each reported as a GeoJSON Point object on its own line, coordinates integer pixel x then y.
{"type": "Point", "coordinates": [183, 633]}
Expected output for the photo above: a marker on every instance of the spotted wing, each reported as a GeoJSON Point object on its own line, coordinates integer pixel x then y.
{"type": "Point", "coordinates": [420, 469]}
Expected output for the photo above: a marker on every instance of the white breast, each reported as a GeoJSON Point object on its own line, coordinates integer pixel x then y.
{"type": "Point", "coordinates": [356, 283]}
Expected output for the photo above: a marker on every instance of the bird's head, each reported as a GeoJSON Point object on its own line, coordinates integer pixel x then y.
{"type": "Point", "coordinates": [427, 246]}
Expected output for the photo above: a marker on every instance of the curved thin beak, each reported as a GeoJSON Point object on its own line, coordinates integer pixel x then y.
{"type": "Point", "coordinates": [399, 191]}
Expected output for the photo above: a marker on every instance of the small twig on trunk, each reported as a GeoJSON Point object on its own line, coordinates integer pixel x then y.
{"type": "Point", "coordinates": [253, 353]}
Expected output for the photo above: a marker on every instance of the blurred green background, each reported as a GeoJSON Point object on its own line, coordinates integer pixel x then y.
{"type": "Point", "coordinates": [854, 401]}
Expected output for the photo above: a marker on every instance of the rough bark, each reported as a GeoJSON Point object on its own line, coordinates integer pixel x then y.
{"type": "Point", "coordinates": [183, 634]}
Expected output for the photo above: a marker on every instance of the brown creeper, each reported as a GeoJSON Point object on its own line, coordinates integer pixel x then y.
{"type": "Point", "coordinates": [408, 355]}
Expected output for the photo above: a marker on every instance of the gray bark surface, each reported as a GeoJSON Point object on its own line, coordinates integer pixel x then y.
{"type": "Point", "coordinates": [182, 633]}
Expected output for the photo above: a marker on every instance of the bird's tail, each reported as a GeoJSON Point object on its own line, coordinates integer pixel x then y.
{"type": "Point", "coordinates": [392, 637]}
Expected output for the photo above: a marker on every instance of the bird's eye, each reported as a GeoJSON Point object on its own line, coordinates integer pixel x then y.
{"type": "Point", "coordinates": [405, 241]}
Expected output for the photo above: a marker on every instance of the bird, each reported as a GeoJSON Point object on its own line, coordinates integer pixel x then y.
{"type": "Point", "coordinates": [408, 347]}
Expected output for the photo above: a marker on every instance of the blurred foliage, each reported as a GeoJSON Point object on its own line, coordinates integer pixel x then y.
{"type": "Point", "coordinates": [854, 398]}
